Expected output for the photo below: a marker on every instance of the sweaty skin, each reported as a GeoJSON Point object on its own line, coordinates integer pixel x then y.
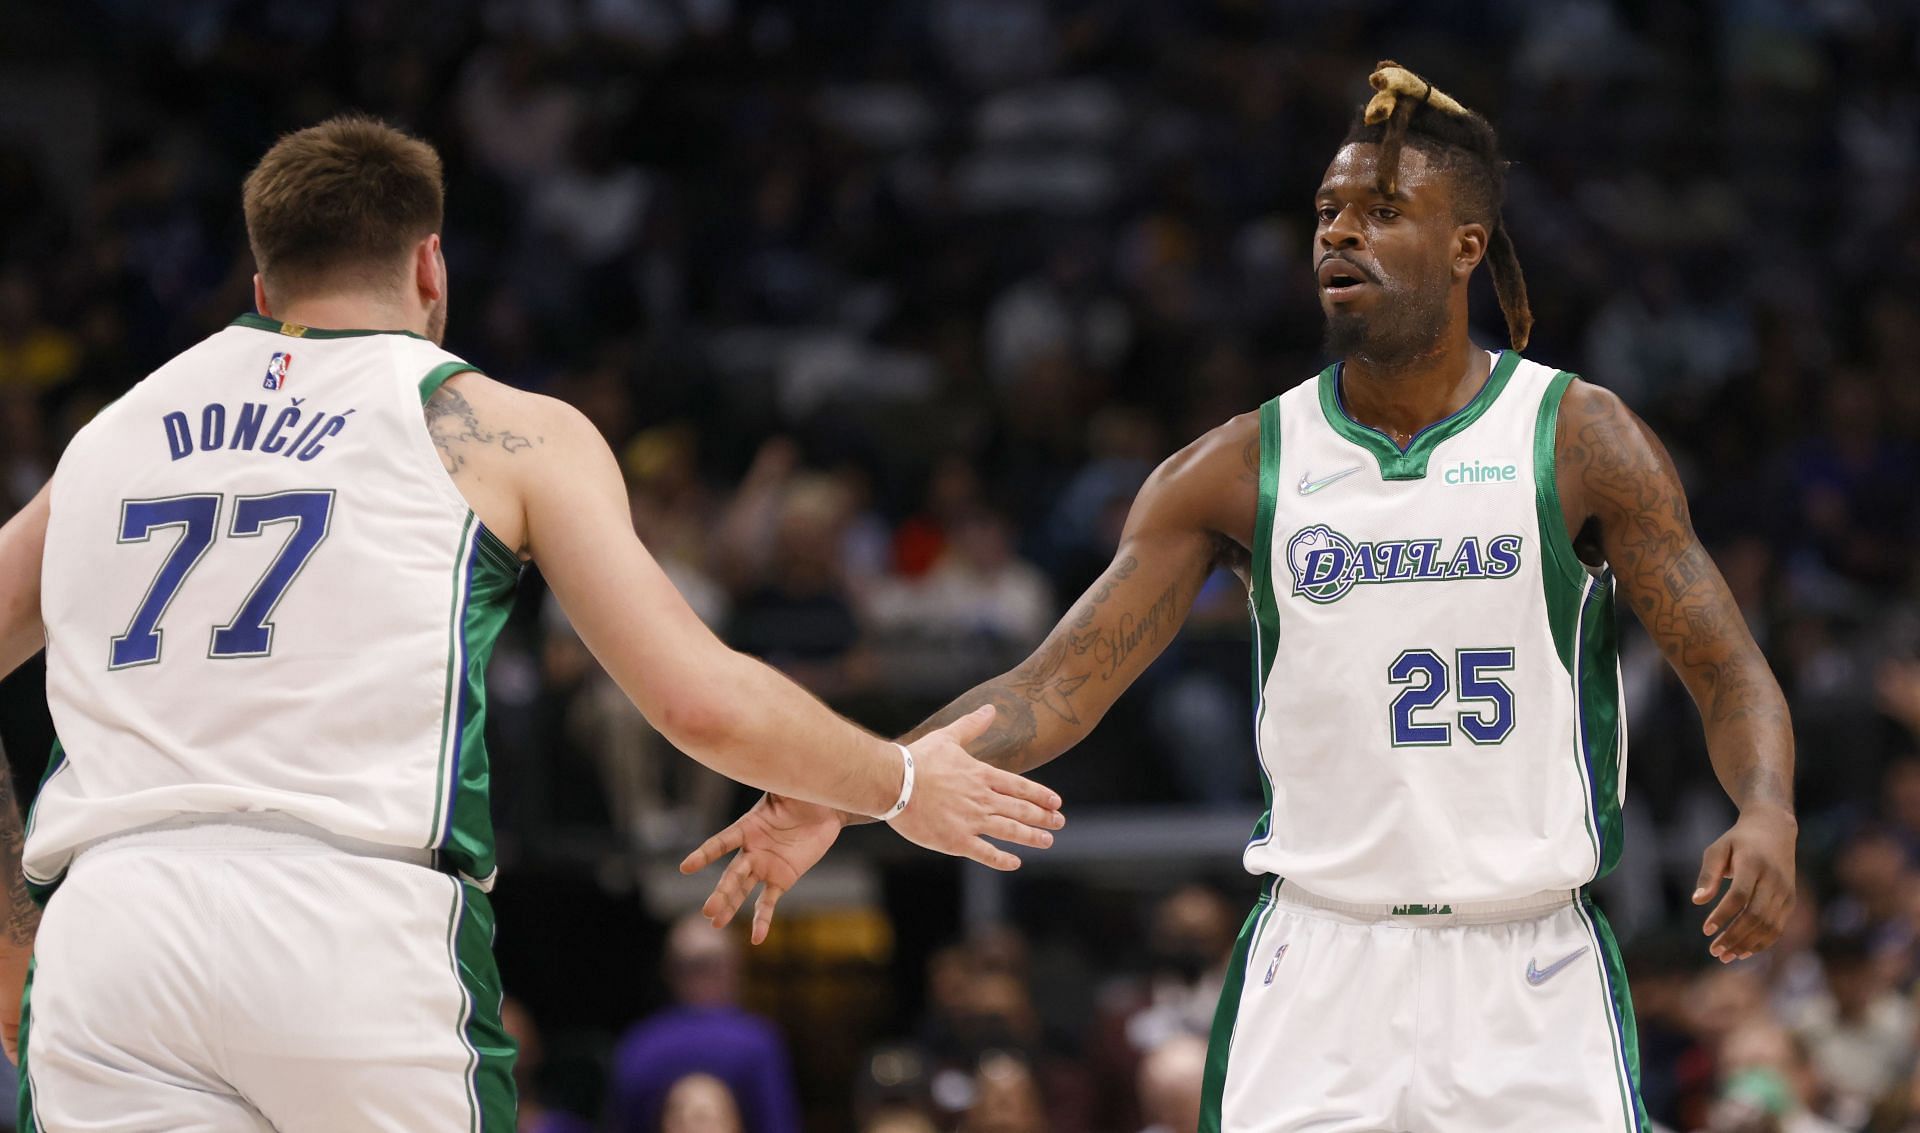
{"type": "Point", "coordinates": [1621, 501]}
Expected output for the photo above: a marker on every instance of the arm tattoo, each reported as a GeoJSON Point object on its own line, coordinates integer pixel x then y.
{"type": "Point", "coordinates": [1040, 692]}
{"type": "Point", "coordinates": [1676, 591]}
{"type": "Point", "coordinates": [22, 915]}
{"type": "Point", "coordinates": [455, 430]}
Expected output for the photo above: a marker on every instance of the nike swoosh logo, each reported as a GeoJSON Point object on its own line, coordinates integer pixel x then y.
{"type": "Point", "coordinates": [1537, 976]}
{"type": "Point", "coordinates": [1309, 487]}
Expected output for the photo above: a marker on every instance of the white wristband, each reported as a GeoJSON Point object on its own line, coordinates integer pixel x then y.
{"type": "Point", "coordinates": [906, 786]}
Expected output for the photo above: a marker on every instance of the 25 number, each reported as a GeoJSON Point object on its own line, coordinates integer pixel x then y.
{"type": "Point", "coordinates": [1427, 679]}
{"type": "Point", "coordinates": [250, 632]}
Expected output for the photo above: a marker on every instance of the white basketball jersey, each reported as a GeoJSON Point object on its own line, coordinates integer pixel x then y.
{"type": "Point", "coordinates": [1439, 711]}
{"type": "Point", "coordinates": [263, 592]}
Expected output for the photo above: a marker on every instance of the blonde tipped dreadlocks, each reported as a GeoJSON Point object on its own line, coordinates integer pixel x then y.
{"type": "Point", "coordinates": [1406, 107]}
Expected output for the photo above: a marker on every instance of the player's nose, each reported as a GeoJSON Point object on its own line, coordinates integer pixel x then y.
{"type": "Point", "coordinates": [1343, 231]}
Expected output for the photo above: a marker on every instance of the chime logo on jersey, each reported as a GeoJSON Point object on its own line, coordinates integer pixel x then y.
{"type": "Point", "coordinates": [277, 370]}
{"type": "Point", "coordinates": [1327, 564]}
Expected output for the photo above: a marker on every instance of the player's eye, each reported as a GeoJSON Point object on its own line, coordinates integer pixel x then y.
{"type": "Point", "coordinates": [1384, 213]}
{"type": "Point", "coordinates": [1328, 213]}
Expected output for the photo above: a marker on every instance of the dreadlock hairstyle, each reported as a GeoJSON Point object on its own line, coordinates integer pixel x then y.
{"type": "Point", "coordinates": [1406, 109]}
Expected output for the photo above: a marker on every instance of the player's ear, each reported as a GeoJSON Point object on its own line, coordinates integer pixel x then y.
{"type": "Point", "coordinates": [1469, 248]}
{"type": "Point", "coordinates": [429, 270]}
{"type": "Point", "coordinates": [260, 297]}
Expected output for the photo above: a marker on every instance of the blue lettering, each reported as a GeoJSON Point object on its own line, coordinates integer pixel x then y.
{"type": "Point", "coordinates": [305, 433]}
{"type": "Point", "coordinates": [179, 435]}
{"type": "Point", "coordinates": [246, 429]}
{"type": "Point", "coordinates": [1325, 565]}
{"type": "Point", "coordinates": [1466, 560]}
{"type": "Point", "coordinates": [334, 425]}
{"type": "Point", "coordinates": [1426, 554]}
{"type": "Point", "coordinates": [1363, 563]}
{"type": "Point", "coordinates": [1503, 555]}
{"type": "Point", "coordinates": [275, 442]}
{"type": "Point", "coordinates": [213, 426]}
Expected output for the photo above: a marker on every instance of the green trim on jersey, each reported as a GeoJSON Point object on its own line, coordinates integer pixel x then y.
{"type": "Point", "coordinates": [1625, 1029]}
{"type": "Point", "coordinates": [1580, 613]}
{"type": "Point", "coordinates": [438, 376]}
{"type": "Point", "coordinates": [1264, 606]}
{"type": "Point", "coordinates": [1213, 1083]}
{"type": "Point", "coordinates": [29, 1121]}
{"type": "Point", "coordinates": [40, 891]}
{"type": "Point", "coordinates": [490, 1049]}
{"type": "Point", "coordinates": [1562, 561]}
{"type": "Point", "coordinates": [484, 579]}
{"type": "Point", "coordinates": [295, 330]}
{"type": "Point", "coordinates": [1411, 463]}
{"type": "Point", "coordinates": [1596, 704]}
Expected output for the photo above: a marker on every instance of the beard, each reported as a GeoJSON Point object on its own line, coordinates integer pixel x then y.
{"type": "Point", "coordinates": [437, 323]}
{"type": "Point", "coordinates": [1406, 321]}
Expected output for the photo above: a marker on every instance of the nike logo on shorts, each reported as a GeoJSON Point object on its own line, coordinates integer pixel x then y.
{"type": "Point", "coordinates": [1537, 976]}
{"type": "Point", "coordinates": [1309, 487]}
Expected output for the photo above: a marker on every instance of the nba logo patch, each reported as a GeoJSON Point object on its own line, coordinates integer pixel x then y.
{"type": "Point", "coordinates": [277, 370]}
{"type": "Point", "coordinates": [1275, 966]}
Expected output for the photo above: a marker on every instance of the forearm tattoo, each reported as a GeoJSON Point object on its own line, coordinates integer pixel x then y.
{"type": "Point", "coordinates": [22, 915]}
{"type": "Point", "coordinates": [1095, 644]}
{"type": "Point", "coordinates": [1678, 594]}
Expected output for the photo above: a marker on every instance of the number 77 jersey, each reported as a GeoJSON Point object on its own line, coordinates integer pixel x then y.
{"type": "Point", "coordinates": [1439, 715]}
{"type": "Point", "coordinates": [263, 593]}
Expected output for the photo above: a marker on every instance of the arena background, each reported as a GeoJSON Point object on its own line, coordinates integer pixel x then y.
{"type": "Point", "coordinates": [890, 308]}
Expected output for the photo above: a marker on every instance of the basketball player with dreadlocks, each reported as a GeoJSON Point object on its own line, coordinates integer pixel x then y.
{"type": "Point", "coordinates": [1432, 535]}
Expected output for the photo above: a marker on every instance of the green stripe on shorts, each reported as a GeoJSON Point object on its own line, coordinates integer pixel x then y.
{"type": "Point", "coordinates": [490, 1050]}
{"type": "Point", "coordinates": [1220, 1041]}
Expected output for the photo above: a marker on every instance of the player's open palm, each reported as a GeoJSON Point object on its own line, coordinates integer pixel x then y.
{"type": "Point", "coordinates": [776, 841]}
{"type": "Point", "coordinates": [959, 802]}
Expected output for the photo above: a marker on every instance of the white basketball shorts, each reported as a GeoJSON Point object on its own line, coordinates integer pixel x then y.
{"type": "Point", "coordinates": [258, 976]}
{"type": "Point", "coordinates": [1511, 1017]}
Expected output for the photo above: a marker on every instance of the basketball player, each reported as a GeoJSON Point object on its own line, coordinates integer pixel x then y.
{"type": "Point", "coordinates": [1432, 534]}
{"type": "Point", "coordinates": [269, 578]}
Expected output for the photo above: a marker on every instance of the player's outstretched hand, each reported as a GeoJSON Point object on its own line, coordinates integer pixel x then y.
{"type": "Point", "coordinates": [1757, 855]}
{"type": "Point", "coordinates": [959, 802]}
{"type": "Point", "coordinates": [777, 841]}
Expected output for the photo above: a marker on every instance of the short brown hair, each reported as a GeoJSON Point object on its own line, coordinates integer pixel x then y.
{"type": "Point", "coordinates": [340, 202]}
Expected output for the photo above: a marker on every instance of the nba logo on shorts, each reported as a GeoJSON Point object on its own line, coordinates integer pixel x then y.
{"type": "Point", "coordinates": [277, 370]}
{"type": "Point", "coordinates": [1275, 966]}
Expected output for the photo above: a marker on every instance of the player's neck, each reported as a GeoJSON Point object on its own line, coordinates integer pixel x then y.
{"type": "Point", "coordinates": [1402, 398]}
{"type": "Point", "coordinates": [351, 312]}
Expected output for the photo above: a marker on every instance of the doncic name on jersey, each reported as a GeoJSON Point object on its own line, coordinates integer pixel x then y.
{"type": "Point", "coordinates": [1327, 564]}
{"type": "Point", "coordinates": [297, 430]}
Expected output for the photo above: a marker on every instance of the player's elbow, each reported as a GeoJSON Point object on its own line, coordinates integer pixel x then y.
{"type": "Point", "coordinates": [696, 720]}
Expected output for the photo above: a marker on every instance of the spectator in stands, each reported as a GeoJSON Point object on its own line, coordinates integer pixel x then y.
{"type": "Point", "coordinates": [700, 1103]}
{"type": "Point", "coordinates": [1861, 1037]}
{"type": "Point", "coordinates": [1170, 1085]}
{"type": "Point", "coordinates": [1006, 1098]}
{"type": "Point", "coordinates": [705, 1032]}
{"type": "Point", "coordinates": [1766, 1046]}
{"type": "Point", "coordinates": [535, 1117]}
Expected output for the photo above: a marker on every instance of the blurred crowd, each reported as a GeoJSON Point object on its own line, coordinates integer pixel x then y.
{"type": "Point", "coordinates": [889, 308]}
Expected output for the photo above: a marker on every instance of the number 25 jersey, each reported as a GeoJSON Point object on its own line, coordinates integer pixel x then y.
{"type": "Point", "coordinates": [1439, 715]}
{"type": "Point", "coordinates": [263, 593]}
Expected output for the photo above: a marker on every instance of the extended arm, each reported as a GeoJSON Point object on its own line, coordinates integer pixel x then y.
{"type": "Point", "coordinates": [1615, 474]}
{"type": "Point", "coordinates": [550, 487]}
{"type": "Point", "coordinates": [1196, 512]}
{"type": "Point", "coordinates": [21, 636]}
{"type": "Point", "coordinates": [21, 542]}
